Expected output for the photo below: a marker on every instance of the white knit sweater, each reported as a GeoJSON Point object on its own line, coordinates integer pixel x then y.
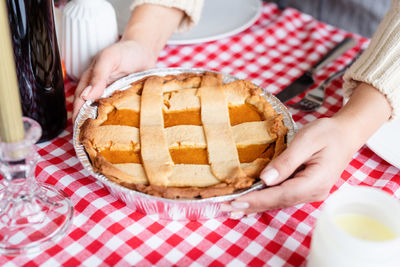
{"type": "Point", "coordinates": [192, 9]}
{"type": "Point", "coordinates": [379, 65]}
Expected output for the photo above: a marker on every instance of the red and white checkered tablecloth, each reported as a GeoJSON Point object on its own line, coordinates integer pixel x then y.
{"type": "Point", "coordinates": [279, 47]}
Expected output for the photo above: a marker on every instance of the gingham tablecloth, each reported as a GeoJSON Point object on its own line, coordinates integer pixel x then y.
{"type": "Point", "coordinates": [279, 47]}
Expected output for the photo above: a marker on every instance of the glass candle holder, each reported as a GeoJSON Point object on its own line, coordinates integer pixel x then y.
{"type": "Point", "coordinates": [32, 215]}
{"type": "Point", "coordinates": [358, 226]}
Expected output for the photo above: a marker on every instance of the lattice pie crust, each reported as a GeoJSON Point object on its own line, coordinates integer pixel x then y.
{"type": "Point", "coordinates": [184, 136]}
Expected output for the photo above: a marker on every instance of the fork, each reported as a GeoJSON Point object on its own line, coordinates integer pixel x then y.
{"type": "Point", "coordinates": [315, 98]}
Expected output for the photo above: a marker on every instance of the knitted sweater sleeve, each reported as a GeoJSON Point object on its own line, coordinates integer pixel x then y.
{"type": "Point", "coordinates": [192, 9]}
{"type": "Point", "coordinates": [379, 65]}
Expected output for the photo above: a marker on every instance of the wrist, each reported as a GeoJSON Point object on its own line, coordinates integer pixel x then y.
{"type": "Point", "coordinates": [353, 137]}
{"type": "Point", "coordinates": [150, 52]}
{"type": "Point", "coordinates": [137, 35]}
{"type": "Point", "coordinates": [151, 26]}
{"type": "Point", "coordinates": [136, 55]}
{"type": "Point", "coordinates": [364, 113]}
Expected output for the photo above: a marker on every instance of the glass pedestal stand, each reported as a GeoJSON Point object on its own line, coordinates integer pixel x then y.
{"type": "Point", "coordinates": [32, 215]}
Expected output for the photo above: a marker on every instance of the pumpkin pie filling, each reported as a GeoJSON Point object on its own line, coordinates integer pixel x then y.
{"type": "Point", "coordinates": [254, 125]}
{"type": "Point", "coordinates": [243, 113]}
{"type": "Point", "coordinates": [119, 156]}
{"type": "Point", "coordinates": [187, 117]}
{"type": "Point", "coordinates": [187, 155]}
{"type": "Point", "coordinates": [123, 117]}
{"type": "Point", "coordinates": [237, 115]}
{"type": "Point", "coordinates": [184, 155]}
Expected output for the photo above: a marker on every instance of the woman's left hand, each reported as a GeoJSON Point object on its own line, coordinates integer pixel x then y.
{"type": "Point", "coordinates": [313, 162]}
{"type": "Point", "coordinates": [321, 149]}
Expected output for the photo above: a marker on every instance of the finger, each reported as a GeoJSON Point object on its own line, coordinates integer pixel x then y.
{"type": "Point", "coordinates": [309, 185]}
{"type": "Point", "coordinates": [236, 215]}
{"type": "Point", "coordinates": [83, 82]}
{"type": "Point", "coordinates": [252, 215]}
{"type": "Point", "coordinates": [296, 154]}
{"type": "Point", "coordinates": [78, 103]}
{"type": "Point", "coordinates": [80, 89]}
{"type": "Point", "coordinates": [102, 71]}
{"type": "Point", "coordinates": [234, 205]}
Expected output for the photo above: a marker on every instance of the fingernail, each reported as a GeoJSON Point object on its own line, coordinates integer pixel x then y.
{"type": "Point", "coordinates": [225, 207]}
{"type": "Point", "coordinates": [236, 215]}
{"type": "Point", "coordinates": [269, 176]}
{"type": "Point", "coordinates": [86, 92]}
{"type": "Point", "coordinates": [252, 215]}
{"type": "Point", "coordinates": [239, 205]}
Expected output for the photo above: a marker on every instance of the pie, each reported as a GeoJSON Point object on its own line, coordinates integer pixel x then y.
{"type": "Point", "coordinates": [184, 136]}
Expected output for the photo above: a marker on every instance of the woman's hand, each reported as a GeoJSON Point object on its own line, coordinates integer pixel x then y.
{"type": "Point", "coordinates": [314, 160]}
{"type": "Point", "coordinates": [317, 155]}
{"type": "Point", "coordinates": [112, 63]}
{"type": "Point", "coordinates": [148, 29]}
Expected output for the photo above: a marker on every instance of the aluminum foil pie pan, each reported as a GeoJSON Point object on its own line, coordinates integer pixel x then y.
{"type": "Point", "coordinates": [171, 209]}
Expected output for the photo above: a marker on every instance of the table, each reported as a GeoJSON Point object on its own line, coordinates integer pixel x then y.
{"type": "Point", "coordinates": [272, 53]}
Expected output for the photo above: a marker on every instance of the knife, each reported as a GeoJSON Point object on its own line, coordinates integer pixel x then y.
{"type": "Point", "coordinates": [306, 80]}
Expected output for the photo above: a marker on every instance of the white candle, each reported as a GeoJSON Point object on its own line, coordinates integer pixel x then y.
{"type": "Point", "coordinates": [358, 226]}
{"type": "Point", "coordinates": [11, 126]}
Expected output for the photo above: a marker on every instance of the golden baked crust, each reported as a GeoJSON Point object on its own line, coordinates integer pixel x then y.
{"type": "Point", "coordinates": [184, 136]}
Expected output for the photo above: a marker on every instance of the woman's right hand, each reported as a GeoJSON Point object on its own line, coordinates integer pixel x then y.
{"type": "Point", "coordinates": [109, 65]}
{"type": "Point", "coordinates": [146, 33]}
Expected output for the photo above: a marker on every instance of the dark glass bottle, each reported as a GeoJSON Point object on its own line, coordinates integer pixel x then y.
{"type": "Point", "coordinates": [38, 63]}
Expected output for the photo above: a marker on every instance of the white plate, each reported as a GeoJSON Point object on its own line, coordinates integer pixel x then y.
{"type": "Point", "coordinates": [220, 19]}
{"type": "Point", "coordinates": [385, 142]}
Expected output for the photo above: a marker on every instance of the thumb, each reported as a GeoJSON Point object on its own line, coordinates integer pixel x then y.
{"type": "Point", "coordinates": [298, 152]}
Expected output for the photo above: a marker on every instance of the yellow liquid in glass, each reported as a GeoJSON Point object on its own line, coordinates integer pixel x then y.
{"type": "Point", "coordinates": [364, 227]}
